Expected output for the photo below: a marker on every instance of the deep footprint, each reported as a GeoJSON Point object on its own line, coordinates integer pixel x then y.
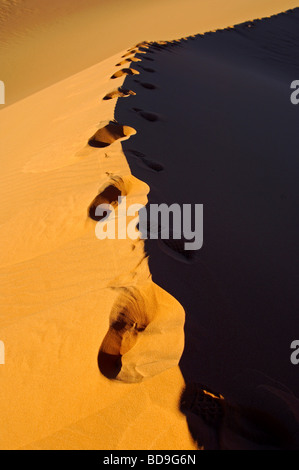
{"type": "Point", "coordinates": [125, 71]}
{"type": "Point", "coordinates": [129, 59]}
{"type": "Point", "coordinates": [109, 196]}
{"type": "Point", "coordinates": [119, 93]}
{"type": "Point", "coordinates": [109, 134]}
{"type": "Point", "coordinates": [232, 427]}
{"type": "Point", "coordinates": [204, 403]}
{"type": "Point", "coordinates": [131, 52]}
{"type": "Point", "coordinates": [128, 320]}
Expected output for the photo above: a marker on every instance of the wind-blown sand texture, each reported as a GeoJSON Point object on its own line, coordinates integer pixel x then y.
{"type": "Point", "coordinates": [126, 344]}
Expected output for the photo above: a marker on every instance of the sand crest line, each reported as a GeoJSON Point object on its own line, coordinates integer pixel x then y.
{"type": "Point", "coordinates": [134, 312]}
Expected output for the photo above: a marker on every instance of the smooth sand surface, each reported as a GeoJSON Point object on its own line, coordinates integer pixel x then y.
{"type": "Point", "coordinates": [115, 344]}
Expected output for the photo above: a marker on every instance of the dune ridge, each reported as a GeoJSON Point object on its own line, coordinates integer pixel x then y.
{"type": "Point", "coordinates": [95, 319]}
{"type": "Point", "coordinates": [31, 27]}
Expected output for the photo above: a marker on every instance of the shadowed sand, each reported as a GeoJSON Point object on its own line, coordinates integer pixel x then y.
{"type": "Point", "coordinates": [51, 29]}
{"type": "Point", "coordinates": [128, 319]}
{"type": "Point", "coordinates": [228, 139]}
{"type": "Point", "coordinates": [119, 93]}
{"type": "Point", "coordinates": [109, 134]}
{"type": "Point", "coordinates": [108, 196]}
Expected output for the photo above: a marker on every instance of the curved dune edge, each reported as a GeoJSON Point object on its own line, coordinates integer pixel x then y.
{"type": "Point", "coordinates": [61, 285]}
{"type": "Point", "coordinates": [145, 335]}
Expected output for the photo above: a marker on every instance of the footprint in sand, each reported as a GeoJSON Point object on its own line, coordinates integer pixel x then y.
{"type": "Point", "coordinates": [219, 425]}
{"type": "Point", "coordinates": [119, 93]}
{"type": "Point", "coordinates": [125, 71]}
{"type": "Point", "coordinates": [147, 69]}
{"type": "Point", "coordinates": [136, 153]}
{"type": "Point", "coordinates": [108, 196]}
{"type": "Point", "coordinates": [176, 249]}
{"type": "Point", "coordinates": [204, 403]}
{"type": "Point", "coordinates": [128, 60]}
{"type": "Point", "coordinates": [148, 59]}
{"type": "Point", "coordinates": [109, 134]}
{"type": "Point", "coordinates": [151, 164]}
{"type": "Point", "coordinates": [128, 319]}
{"type": "Point", "coordinates": [148, 86]}
{"type": "Point", "coordinates": [151, 117]}
{"type": "Point", "coordinates": [131, 52]}
{"type": "Point", "coordinates": [144, 49]}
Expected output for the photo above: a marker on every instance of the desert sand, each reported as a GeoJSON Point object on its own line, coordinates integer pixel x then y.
{"type": "Point", "coordinates": [42, 42]}
{"type": "Point", "coordinates": [137, 344]}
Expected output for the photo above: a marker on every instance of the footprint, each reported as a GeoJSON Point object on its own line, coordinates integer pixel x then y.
{"type": "Point", "coordinates": [148, 86]}
{"type": "Point", "coordinates": [137, 153]}
{"type": "Point", "coordinates": [204, 403]}
{"type": "Point", "coordinates": [155, 166]}
{"type": "Point", "coordinates": [147, 69]}
{"type": "Point", "coordinates": [131, 52]}
{"type": "Point", "coordinates": [110, 196]}
{"type": "Point", "coordinates": [109, 134]}
{"type": "Point", "coordinates": [128, 320]}
{"type": "Point", "coordinates": [148, 58]}
{"type": "Point", "coordinates": [176, 249]}
{"type": "Point", "coordinates": [144, 44]}
{"type": "Point", "coordinates": [157, 47]}
{"type": "Point", "coordinates": [119, 93]}
{"type": "Point", "coordinates": [144, 49]}
{"type": "Point", "coordinates": [217, 424]}
{"type": "Point", "coordinates": [151, 117]}
{"type": "Point", "coordinates": [125, 71]}
{"type": "Point", "coordinates": [129, 59]}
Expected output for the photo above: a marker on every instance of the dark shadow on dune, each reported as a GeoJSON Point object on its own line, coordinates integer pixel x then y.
{"type": "Point", "coordinates": [108, 196]}
{"type": "Point", "coordinates": [109, 134]}
{"type": "Point", "coordinates": [228, 140]}
{"type": "Point", "coordinates": [216, 424]}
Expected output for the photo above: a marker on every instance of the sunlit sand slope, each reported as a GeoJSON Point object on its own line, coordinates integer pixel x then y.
{"type": "Point", "coordinates": [82, 322]}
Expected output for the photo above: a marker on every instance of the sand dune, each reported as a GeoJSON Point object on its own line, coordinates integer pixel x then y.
{"type": "Point", "coordinates": [43, 42]}
{"type": "Point", "coordinates": [81, 297]}
{"type": "Point", "coordinates": [132, 344]}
